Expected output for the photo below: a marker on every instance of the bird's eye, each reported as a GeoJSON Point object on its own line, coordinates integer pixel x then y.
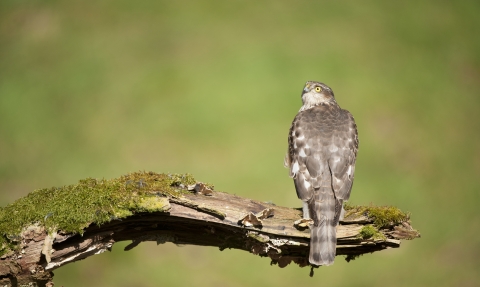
{"type": "Point", "coordinates": [318, 89]}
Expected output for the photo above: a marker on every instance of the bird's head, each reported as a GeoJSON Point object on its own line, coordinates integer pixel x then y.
{"type": "Point", "coordinates": [316, 93]}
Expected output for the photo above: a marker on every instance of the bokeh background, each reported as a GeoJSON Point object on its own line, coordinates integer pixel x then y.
{"type": "Point", "coordinates": [103, 88]}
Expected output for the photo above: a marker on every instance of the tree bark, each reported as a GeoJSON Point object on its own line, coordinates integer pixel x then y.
{"type": "Point", "coordinates": [216, 219]}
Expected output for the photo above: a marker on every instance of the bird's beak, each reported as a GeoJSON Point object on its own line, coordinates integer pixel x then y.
{"type": "Point", "coordinates": [305, 90]}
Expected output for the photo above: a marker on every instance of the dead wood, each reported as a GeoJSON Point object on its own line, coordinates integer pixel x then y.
{"type": "Point", "coordinates": [204, 218]}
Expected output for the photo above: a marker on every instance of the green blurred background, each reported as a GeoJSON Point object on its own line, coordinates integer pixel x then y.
{"type": "Point", "coordinates": [103, 88]}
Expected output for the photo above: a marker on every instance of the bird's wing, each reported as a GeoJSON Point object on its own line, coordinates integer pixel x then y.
{"type": "Point", "coordinates": [343, 155]}
{"type": "Point", "coordinates": [298, 155]}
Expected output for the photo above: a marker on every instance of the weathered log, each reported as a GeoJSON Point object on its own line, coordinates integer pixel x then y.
{"type": "Point", "coordinates": [200, 217]}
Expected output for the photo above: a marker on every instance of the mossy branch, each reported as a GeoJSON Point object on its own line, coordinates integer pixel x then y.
{"type": "Point", "coordinates": [52, 227]}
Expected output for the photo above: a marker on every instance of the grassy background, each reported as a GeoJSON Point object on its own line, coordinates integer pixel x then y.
{"type": "Point", "coordinates": [210, 87]}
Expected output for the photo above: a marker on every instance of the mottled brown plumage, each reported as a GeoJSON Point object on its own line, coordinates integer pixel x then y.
{"type": "Point", "coordinates": [322, 148]}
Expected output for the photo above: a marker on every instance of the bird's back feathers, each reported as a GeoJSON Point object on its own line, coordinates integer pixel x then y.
{"type": "Point", "coordinates": [321, 157]}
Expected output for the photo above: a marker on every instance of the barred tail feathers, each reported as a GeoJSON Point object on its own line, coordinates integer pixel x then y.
{"type": "Point", "coordinates": [326, 211]}
{"type": "Point", "coordinates": [323, 243]}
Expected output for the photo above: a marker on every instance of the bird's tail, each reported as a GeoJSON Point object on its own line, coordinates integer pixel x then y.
{"type": "Point", "coordinates": [323, 235]}
{"type": "Point", "coordinates": [323, 243]}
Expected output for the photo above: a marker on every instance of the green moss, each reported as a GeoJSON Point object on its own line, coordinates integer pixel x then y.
{"type": "Point", "coordinates": [382, 216]}
{"type": "Point", "coordinates": [367, 231]}
{"type": "Point", "coordinates": [71, 208]}
{"type": "Point", "coordinates": [152, 204]}
{"type": "Point", "coordinates": [370, 231]}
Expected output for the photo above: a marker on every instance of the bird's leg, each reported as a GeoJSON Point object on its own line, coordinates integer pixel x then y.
{"type": "Point", "coordinates": [306, 211]}
{"type": "Point", "coordinates": [342, 210]}
{"type": "Point", "coordinates": [342, 213]}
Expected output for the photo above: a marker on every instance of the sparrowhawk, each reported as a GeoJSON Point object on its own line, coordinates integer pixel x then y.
{"type": "Point", "coordinates": [322, 149]}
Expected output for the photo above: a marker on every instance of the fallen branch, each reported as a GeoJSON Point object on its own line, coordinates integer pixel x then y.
{"type": "Point", "coordinates": [174, 214]}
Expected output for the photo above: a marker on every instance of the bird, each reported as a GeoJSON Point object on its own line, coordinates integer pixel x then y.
{"type": "Point", "coordinates": [322, 150]}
